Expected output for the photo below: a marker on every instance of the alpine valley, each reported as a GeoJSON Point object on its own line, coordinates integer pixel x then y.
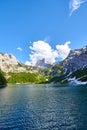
{"type": "Point", "coordinates": [72, 70]}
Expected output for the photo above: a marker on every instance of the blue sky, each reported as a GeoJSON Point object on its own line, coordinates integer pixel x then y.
{"type": "Point", "coordinates": [27, 25]}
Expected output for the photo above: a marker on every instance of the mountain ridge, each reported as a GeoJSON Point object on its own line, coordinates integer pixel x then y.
{"type": "Point", "coordinates": [76, 59]}
{"type": "Point", "coordinates": [73, 68]}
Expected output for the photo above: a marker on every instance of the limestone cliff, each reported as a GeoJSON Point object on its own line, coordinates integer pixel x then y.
{"type": "Point", "coordinates": [9, 63]}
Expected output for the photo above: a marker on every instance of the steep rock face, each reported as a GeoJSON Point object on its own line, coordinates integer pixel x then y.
{"type": "Point", "coordinates": [41, 63]}
{"type": "Point", "coordinates": [8, 59]}
{"type": "Point", "coordinates": [9, 63]}
{"type": "Point", "coordinates": [76, 59]}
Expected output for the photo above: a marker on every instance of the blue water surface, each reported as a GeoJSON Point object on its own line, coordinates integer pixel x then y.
{"type": "Point", "coordinates": [43, 107]}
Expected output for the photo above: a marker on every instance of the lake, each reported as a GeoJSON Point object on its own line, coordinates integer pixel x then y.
{"type": "Point", "coordinates": [43, 107]}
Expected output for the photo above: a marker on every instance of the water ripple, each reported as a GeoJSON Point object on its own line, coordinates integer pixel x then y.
{"type": "Point", "coordinates": [43, 108]}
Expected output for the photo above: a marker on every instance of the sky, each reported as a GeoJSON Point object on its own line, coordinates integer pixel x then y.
{"type": "Point", "coordinates": [37, 29]}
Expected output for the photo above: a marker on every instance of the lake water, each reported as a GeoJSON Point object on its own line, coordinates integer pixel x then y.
{"type": "Point", "coordinates": [43, 107]}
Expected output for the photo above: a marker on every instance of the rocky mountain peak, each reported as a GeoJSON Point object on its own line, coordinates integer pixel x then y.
{"type": "Point", "coordinates": [8, 59]}
{"type": "Point", "coordinates": [76, 59]}
{"type": "Point", "coordinates": [77, 52]}
{"type": "Point", "coordinates": [9, 63]}
{"type": "Point", "coordinates": [41, 63]}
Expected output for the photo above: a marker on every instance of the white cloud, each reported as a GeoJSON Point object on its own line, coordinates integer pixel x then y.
{"type": "Point", "coordinates": [42, 49]}
{"type": "Point", "coordinates": [74, 5]}
{"type": "Point", "coordinates": [19, 48]}
{"type": "Point", "coordinates": [28, 63]}
{"type": "Point", "coordinates": [63, 50]}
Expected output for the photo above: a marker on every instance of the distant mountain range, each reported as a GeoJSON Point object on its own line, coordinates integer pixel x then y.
{"type": "Point", "coordinates": [71, 70]}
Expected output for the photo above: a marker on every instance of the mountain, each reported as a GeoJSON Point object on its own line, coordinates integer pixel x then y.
{"type": "Point", "coordinates": [16, 72]}
{"type": "Point", "coordinates": [41, 63]}
{"type": "Point", "coordinates": [76, 59]}
{"type": "Point", "coordinates": [9, 63]}
{"type": "Point", "coordinates": [73, 68]}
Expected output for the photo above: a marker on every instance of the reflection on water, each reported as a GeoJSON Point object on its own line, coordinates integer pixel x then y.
{"type": "Point", "coordinates": [43, 107]}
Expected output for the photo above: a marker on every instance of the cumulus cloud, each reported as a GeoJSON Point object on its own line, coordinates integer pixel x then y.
{"type": "Point", "coordinates": [29, 63]}
{"type": "Point", "coordinates": [63, 50]}
{"type": "Point", "coordinates": [74, 5]}
{"type": "Point", "coordinates": [42, 49]}
{"type": "Point", "coordinates": [19, 48]}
